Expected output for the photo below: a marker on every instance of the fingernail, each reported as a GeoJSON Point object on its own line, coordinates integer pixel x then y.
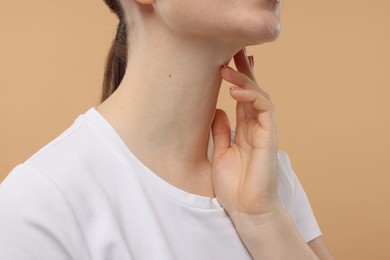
{"type": "Point", "coordinates": [252, 60]}
{"type": "Point", "coordinates": [235, 88]}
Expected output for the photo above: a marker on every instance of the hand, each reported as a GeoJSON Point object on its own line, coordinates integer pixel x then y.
{"type": "Point", "coordinates": [245, 172]}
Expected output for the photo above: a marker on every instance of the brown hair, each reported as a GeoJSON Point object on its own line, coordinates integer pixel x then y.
{"type": "Point", "coordinates": [116, 61]}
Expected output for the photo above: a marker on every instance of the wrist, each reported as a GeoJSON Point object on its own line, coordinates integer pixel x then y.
{"type": "Point", "coordinates": [244, 219]}
{"type": "Point", "coordinates": [271, 236]}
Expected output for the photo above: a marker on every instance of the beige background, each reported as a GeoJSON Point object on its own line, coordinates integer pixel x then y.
{"type": "Point", "coordinates": [328, 75]}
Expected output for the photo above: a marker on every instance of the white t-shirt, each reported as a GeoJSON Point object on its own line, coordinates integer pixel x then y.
{"type": "Point", "coordinates": [86, 196]}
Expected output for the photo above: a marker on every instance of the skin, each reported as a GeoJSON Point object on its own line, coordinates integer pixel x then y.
{"type": "Point", "coordinates": [165, 107]}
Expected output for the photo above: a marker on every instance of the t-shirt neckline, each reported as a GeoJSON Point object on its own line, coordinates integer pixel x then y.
{"type": "Point", "coordinates": [175, 193]}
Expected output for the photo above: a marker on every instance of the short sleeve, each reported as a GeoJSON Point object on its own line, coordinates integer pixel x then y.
{"type": "Point", "coordinates": [36, 222]}
{"type": "Point", "coordinates": [304, 218]}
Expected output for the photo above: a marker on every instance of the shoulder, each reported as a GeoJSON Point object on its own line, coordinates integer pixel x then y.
{"type": "Point", "coordinates": [66, 135]}
{"type": "Point", "coordinates": [31, 194]}
{"type": "Point", "coordinates": [69, 154]}
{"type": "Point", "coordinates": [286, 174]}
{"type": "Point", "coordinates": [284, 160]}
{"type": "Point", "coordinates": [27, 190]}
{"type": "Point", "coordinates": [294, 199]}
{"type": "Point", "coordinates": [33, 210]}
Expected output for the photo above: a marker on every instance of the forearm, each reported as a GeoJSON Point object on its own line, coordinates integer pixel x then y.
{"type": "Point", "coordinates": [272, 237]}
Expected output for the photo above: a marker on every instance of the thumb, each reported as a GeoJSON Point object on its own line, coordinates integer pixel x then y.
{"type": "Point", "coordinates": [221, 132]}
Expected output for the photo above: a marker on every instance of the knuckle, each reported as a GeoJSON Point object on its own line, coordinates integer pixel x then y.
{"type": "Point", "coordinates": [267, 95]}
{"type": "Point", "coordinates": [261, 91]}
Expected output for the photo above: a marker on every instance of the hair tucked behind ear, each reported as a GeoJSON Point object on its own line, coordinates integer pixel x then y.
{"type": "Point", "coordinates": [116, 62]}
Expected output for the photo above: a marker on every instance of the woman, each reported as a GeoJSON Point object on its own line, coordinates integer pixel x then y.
{"type": "Point", "coordinates": [141, 177]}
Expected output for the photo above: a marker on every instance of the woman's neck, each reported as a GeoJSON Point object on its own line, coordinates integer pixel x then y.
{"type": "Point", "coordinates": [165, 104]}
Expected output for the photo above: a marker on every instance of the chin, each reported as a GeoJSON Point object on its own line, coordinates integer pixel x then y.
{"type": "Point", "coordinates": [269, 31]}
{"type": "Point", "coordinates": [274, 32]}
{"type": "Point", "coordinates": [265, 28]}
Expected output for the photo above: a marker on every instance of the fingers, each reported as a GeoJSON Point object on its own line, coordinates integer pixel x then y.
{"type": "Point", "coordinates": [235, 77]}
{"type": "Point", "coordinates": [241, 80]}
{"type": "Point", "coordinates": [238, 79]}
{"type": "Point", "coordinates": [259, 101]}
{"type": "Point", "coordinates": [262, 109]}
{"type": "Point", "coordinates": [243, 64]}
{"type": "Point", "coordinates": [252, 100]}
{"type": "Point", "coordinates": [221, 132]}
